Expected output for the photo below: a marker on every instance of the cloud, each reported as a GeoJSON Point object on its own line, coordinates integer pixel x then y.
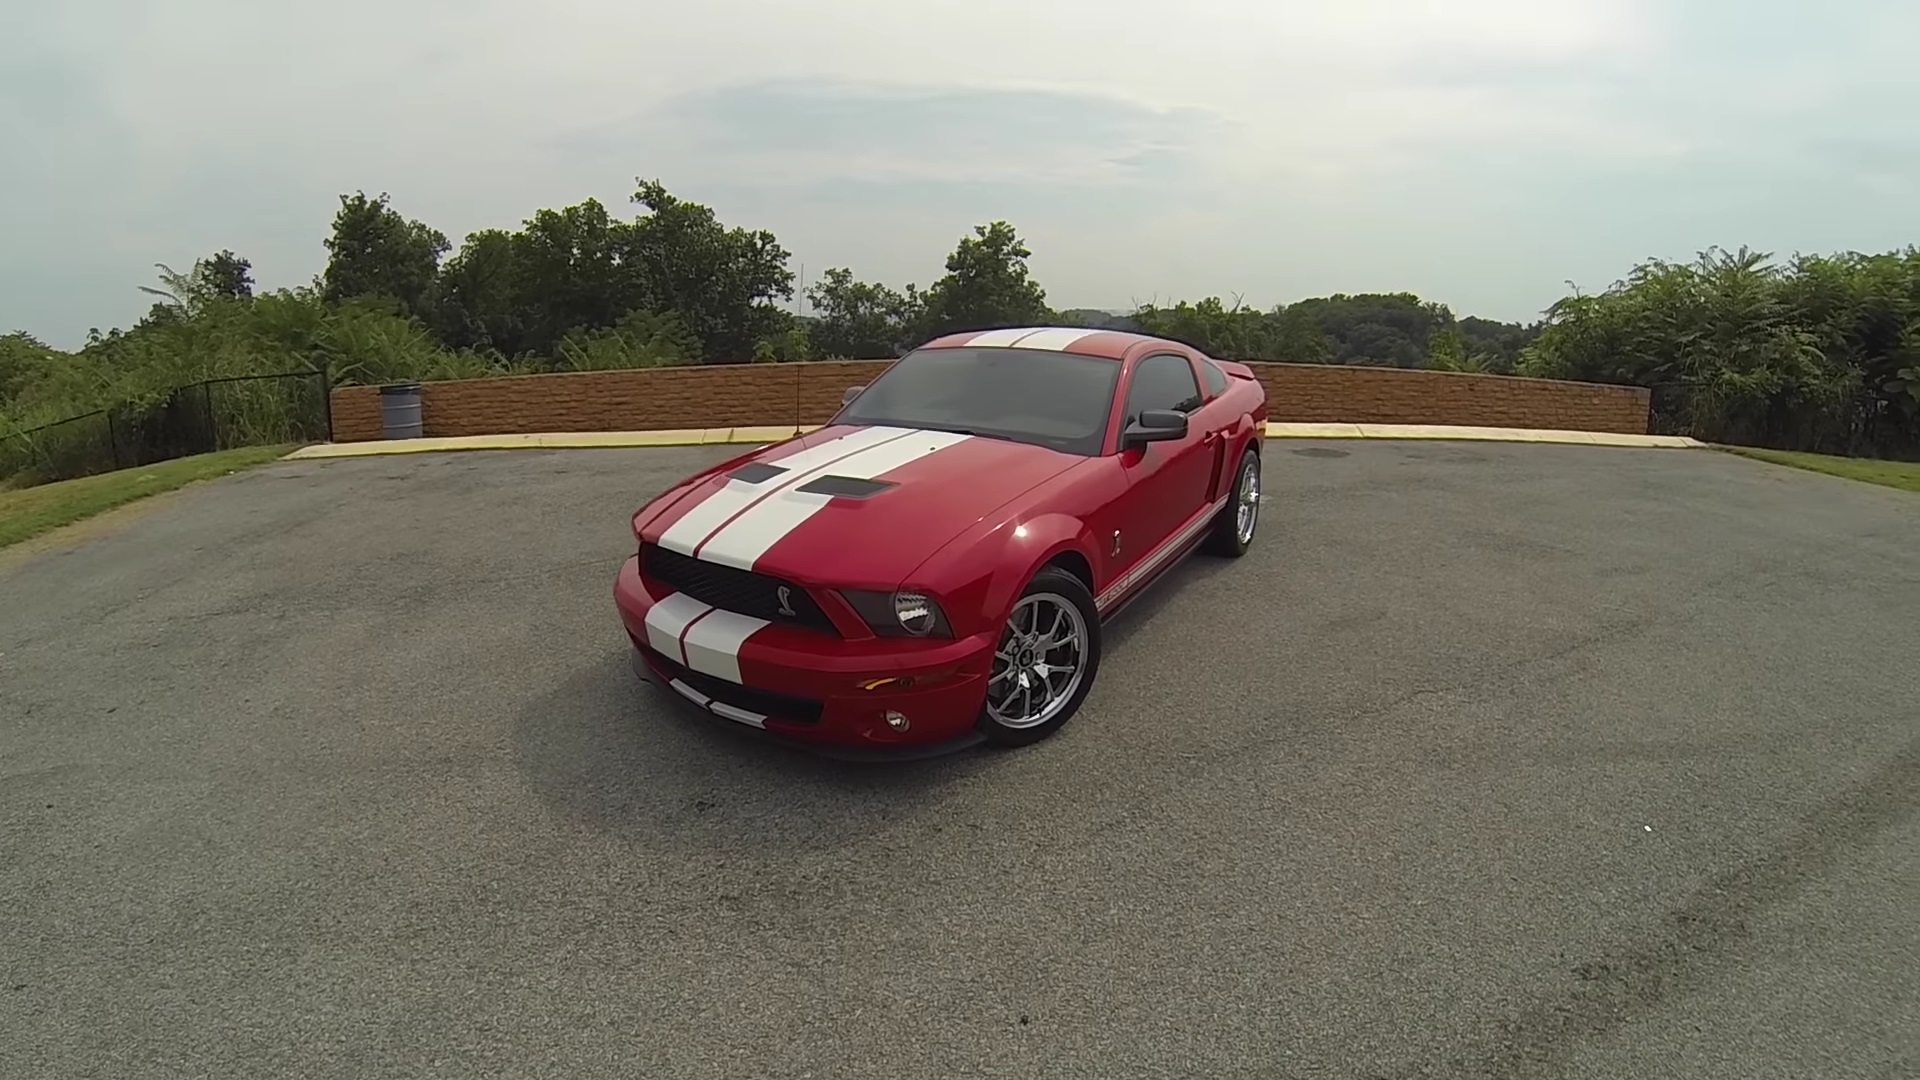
{"type": "Point", "coordinates": [1482, 151]}
{"type": "Point", "coordinates": [804, 133]}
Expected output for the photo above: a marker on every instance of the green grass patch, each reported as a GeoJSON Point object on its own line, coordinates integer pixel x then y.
{"type": "Point", "coordinates": [1904, 475]}
{"type": "Point", "coordinates": [28, 512]}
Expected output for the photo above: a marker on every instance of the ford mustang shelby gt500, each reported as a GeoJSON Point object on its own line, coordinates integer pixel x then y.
{"type": "Point", "coordinates": [932, 568]}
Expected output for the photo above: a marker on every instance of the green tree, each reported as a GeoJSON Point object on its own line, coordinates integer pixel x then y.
{"type": "Point", "coordinates": [1730, 353]}
{"type": "Point", "coordinates": [859, 320]}
{"type": "Point", "coordinates": [987, 286]}
{"type": "Point", "coordinates": [722, 282]}
{"type": "Point", "coordinates": [568, 274]}
{"type": "Point", "coordinates": [792, 343]}
{"type": "Point", "coordinates": [375, 252]}
{"type": "Point", "coordinates": [639, 339]}
{"type": "Point", "coordinates": [225, 274]}
{"type": "Point", "coordinates": [220, 278]}
{"type": "Point", "coordinates": [1096, 319]}
{"type": "Point", "coordinates": [1237, 332]}
{"type": "Point", "coordinates": [477, 302]}
{"type": "Point", "coordinates": [1298, 338]}
{"type": "Point", "coordinates": [24, 361]}
{"type": "Point", "coordinates": [1382, 329]}
{"type": "Point", "coordinates": [1495, 346]}
{"type": "Point", "coordinates": [1447, 351]}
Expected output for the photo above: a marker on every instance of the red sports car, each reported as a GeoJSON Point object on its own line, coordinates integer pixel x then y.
{"type": "Point", "coordinates": [931, 569]}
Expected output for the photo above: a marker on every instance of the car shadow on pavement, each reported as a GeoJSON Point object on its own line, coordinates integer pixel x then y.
{"type": "Point", "coordinates": [1141, 613]}
{"type": "Point", "coordinates": [614, 753]}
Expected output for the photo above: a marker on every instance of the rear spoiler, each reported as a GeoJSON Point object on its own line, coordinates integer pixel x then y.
{"type": "Point", "coordinates": [1238, 371]}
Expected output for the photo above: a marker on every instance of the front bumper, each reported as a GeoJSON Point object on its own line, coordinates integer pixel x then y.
{"type": "Point", "coordinates": [805, 687]}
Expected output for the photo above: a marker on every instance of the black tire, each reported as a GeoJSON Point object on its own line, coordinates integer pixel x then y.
{"type": "Point", "coordinates": [1224, 538]}
{"type": "Point", "coordinates": [1050, 582]}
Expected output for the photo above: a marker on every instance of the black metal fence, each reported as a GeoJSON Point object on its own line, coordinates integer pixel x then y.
{"type": "Point", "coordinates": [243, 410]}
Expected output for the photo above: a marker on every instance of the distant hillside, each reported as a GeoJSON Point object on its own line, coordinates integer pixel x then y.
{"type": "Point", "coordinates": [1097, 318]}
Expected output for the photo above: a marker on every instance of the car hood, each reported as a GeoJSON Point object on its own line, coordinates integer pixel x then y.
{"type": "Point", "coordinates": [852, 506]}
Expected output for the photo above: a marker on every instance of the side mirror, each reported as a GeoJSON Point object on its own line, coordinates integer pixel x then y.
{"type": "Point", "coordinates": [1155, 425]}
{"type": "Point", "coordinates": [852, 392]}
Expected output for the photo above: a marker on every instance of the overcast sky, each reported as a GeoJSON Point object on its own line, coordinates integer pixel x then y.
{"type": "Point", "coordinates": [1479, 152]}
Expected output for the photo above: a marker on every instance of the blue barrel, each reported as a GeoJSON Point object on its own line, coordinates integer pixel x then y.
{"type": "Point", "coordinates": [400, 411]}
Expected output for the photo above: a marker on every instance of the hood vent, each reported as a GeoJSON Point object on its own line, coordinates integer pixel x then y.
{"type": "Point", "coordinates": [756, 472]}
{"type": "Point", "coordinates": [845, 487]}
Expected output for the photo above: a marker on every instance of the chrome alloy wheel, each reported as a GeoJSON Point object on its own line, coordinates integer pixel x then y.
{"type": "Point", "coordinates": [1248, 512]}
{"type": "Point", "coordinates": [1039, 662]}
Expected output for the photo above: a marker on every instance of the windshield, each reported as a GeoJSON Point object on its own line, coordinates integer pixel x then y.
{"type": "Point", "coordinates": [1050, 399]}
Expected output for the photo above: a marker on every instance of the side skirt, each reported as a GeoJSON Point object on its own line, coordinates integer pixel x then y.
{"type": "Point", "coordinates": [1146, 586]}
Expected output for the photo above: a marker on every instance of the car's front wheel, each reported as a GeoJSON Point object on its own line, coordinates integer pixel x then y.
{"type": "Point", "coordinates": [1045, 661]}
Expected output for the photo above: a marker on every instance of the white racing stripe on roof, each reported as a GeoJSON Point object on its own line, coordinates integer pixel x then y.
{"type": "Point", "coordinates": [741, 542]}
{"type": "Point", "coordinates": [1055, 339]}
{"type": "Point", "coordinates": [710, 513]}
{"type": "Point", "coordinates": [999, 337]}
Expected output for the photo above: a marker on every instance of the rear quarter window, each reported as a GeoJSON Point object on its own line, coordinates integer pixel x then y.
{"type": "Point", "coordinates": [1216, 379]}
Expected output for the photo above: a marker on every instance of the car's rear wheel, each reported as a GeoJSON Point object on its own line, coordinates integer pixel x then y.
{"type": "Point", "coordinates": [1045, 661]}
{"type": "Point", "coordinates": [1233, 529]}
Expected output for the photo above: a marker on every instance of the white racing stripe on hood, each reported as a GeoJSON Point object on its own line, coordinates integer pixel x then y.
{"type": "Point", "coordinates": [742, 541]}
{"type": "Point", "coordinates": [710, 513]}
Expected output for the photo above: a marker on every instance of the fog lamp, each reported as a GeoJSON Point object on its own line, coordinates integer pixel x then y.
{"type": "Point", "coordinates": [897, 721]}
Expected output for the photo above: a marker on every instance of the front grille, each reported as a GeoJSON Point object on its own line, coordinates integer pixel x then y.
{"type": "Point", "coordinates": [731, 589]}
{"type": "Point", "coordinates": [779, 706]}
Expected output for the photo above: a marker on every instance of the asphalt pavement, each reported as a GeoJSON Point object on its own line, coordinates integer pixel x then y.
{"type": "Point", "coordinates": [1487, 761]}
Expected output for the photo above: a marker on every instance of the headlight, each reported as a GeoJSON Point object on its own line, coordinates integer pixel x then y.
{"type": "Point", "coordinates": [900, 614]}
{"type": "Point", "coordinates": [915, 612]}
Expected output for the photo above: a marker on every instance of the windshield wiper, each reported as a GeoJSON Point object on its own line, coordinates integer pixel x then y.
{"type": "Point", "coordinates": [967, 431]}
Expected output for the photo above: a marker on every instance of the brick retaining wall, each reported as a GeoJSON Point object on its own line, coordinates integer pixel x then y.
{"type": "Point", "coordinates": [743, 395]}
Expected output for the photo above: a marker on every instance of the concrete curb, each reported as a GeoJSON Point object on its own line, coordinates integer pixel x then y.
{"type": "Point", "coordinates": [561, 440]}
{"type": "Point", "coordinates": [1478, 434]}
{"type": "Point", "coordinates": [762, 435]}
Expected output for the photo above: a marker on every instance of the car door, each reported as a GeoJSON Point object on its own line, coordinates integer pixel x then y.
{"type": "Point", "coordinates": [1215, 418]}
{"type": "Point", "coordinates": [1167, 482]}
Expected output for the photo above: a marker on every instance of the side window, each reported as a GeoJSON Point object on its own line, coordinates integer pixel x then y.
{"type": "Point", "coordinates": [1162, 382]}
{"type": "Point", "coordinates": [1216, 379]}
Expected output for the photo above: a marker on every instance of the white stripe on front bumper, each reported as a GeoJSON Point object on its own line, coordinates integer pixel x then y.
{"type": "Point", "coordinates": [713, 644]}
{"type": "Point", "coordinates": [668, 619]}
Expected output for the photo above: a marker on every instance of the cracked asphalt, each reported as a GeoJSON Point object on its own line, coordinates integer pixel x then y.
{"type": "Point", "coordinates": [1489, 761]}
